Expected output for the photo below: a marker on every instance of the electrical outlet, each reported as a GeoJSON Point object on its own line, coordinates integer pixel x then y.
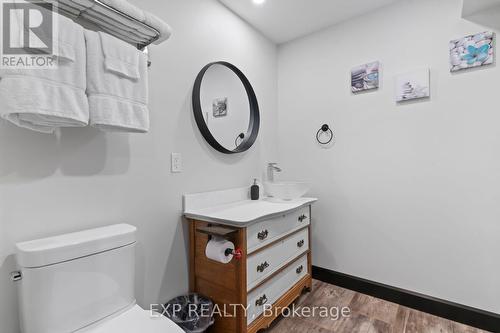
{"type": "Point", "coordinates": [176, 163]}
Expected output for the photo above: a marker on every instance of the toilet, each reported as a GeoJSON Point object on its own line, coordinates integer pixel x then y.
{"type": "Point", "coordinates": [83, 282]}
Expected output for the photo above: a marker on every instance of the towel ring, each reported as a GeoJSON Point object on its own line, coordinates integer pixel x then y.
{"type": "Point", "coordinates": [324, 129]}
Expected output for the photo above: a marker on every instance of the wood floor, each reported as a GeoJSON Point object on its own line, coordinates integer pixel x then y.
{"type": "Point", "coordinates": [368, 315]}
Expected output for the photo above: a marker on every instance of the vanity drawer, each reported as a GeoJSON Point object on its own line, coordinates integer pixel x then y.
{"type": "Point", "coordinates": [265, 232]}
{"type": "Point", "coordinates": [266, 262]}
{"type": "Point", "coordinates": [272, 290]}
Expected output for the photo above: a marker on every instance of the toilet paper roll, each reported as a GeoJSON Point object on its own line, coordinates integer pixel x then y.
{"type": "Point", "coordinates": [216, 249]}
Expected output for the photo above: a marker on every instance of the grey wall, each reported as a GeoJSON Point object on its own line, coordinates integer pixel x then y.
{"type": "Point", "coordinates": [409, 195]}
{"type": "Point", "coordinates": [84, 178]}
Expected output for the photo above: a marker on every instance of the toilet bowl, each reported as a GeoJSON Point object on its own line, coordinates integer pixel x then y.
{"type": "Point", "coordinates": [83, 282]}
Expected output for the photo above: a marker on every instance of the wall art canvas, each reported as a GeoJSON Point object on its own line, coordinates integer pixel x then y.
{"type": "Point", "coordinates": [413, 85]}
{"type": "Point", "coordinates": [220, 107]}
{"type": "Point", "coordinates": [365, 77]}
{"type": "Point", "coordinates": [472, 51]}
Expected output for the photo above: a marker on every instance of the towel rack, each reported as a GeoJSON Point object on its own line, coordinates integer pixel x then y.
{"type": "Point", "coordinates": [102, 16]}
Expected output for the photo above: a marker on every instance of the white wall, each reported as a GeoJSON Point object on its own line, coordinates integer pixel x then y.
{"type": "Point", "coordinates": [409, 195]}
{"type": "Point", "coordinates": [84, 178]}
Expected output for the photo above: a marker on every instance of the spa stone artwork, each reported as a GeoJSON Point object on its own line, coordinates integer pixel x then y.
{"type": "Point", "coordinates": [472, 51]}
{"type": "Point", "coordinates": [219, 107]}
{"type": "Point", "coordinates": [365, 77]}
{"type": "Point", "coordinates": [413, 85]}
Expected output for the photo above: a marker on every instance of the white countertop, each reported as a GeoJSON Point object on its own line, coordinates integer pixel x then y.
{"type": "Point", "coordinates": [245, 212]}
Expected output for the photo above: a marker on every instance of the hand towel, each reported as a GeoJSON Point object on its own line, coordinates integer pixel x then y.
{"type": "Point", "coordinates": [117, 93]}
{"type": "Point", "coordinates": [44, 99]}
{"type": "Point", "coordinates": [117, 60]}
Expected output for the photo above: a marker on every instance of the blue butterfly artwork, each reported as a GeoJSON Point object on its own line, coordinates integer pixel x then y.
{"type": "Point", "coordinates": [472, 51]}
{"type": "Point", "coordinates": [476, 54]}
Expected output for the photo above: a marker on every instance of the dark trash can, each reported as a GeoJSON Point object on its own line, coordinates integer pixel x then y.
{"type": "Point", "coordinates": [192, 312]}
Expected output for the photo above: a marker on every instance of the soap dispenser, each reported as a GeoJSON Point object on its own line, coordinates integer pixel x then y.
{"type": "Point", "coordinates": [254, 190]}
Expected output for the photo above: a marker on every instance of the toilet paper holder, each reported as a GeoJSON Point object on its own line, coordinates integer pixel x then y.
{"type": "Point", "coordinates": [222, 232]}
{"type": "Point", "coordinates": [237, 253]}
{"type": "Point", "coordinates": [217, 231]}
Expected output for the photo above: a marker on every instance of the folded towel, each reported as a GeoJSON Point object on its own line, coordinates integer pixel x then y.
{"type": "Point", "coordinates": [126, 8]}
{"type": "Point", "coordinates": [105, 20]}
{"type": "Point", "coordinates": [44, 99]}
{"type": "Point", "coordinates": [82, 3]}
{"type": "Point", "coordinates": [113, 23]}
{"type": "Point", "coordinates": [71, 8]}
{"type": "Point", "coordinates": [104, 23]}
{"type": "Point", "coordinates": [143, 16]}
{"type": "Point", "coordinates": [117, 95]}
{"type": "Point", "coordinates": [111, 18]}
{"type": "Point", "coordinates": [160, 25]}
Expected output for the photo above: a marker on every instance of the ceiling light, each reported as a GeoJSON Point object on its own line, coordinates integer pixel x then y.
{"type": "Point", "coordinates": [259, 2]}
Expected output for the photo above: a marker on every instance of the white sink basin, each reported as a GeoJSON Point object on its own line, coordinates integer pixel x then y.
{"type": "Point", "coordinates": [286, 190]}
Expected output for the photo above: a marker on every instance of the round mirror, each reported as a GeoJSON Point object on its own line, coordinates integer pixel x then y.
{"type": "Point", "coordinates": [225, 108]}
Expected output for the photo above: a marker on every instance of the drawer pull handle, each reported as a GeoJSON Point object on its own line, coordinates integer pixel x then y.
{"type": "Point", "coordinates": [262, 267]}
{"type": "Point", "coordinates": [302, 218]}
{"type": "Point", "coordinates": [263, 234]}
{"type": "Point", "coordinates": [300, 269]}
{"type": "Point", "coordinates": [261, 301]}
{"type": "Point", "coordinates": [300, 244]}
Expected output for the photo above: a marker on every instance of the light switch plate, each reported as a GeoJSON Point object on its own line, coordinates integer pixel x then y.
{"type": "Point", "coordinates": [176, 163]}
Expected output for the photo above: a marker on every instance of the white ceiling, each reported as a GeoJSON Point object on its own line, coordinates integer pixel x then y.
{"type": "Point", "coordinates": [474, 6]}
{"type": "Point", "coordinates": [284, 20]}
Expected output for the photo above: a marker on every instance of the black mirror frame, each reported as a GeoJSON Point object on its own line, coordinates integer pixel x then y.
{"type": "Point", "coordinates": [254, 125]}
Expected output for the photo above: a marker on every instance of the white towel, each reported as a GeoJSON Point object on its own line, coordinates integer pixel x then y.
{"type": "Point", "coordinates": [111, 21]}
{"type": "Point", "coordinates": [117, 60]}
{"type": "Point", "coordinates": [44, 99]}
{"type": "Point", "coordinates": [160, 25]}
{"type": "Point", "coordinates": [143, 16]}
{"type": "Point", "coordinates": [71, 8]}
{"type": "Point", "coordinates": [107, 21]}
{"type": "Point", "coordinates": [127, 8]}
{"type": "Point", "coordinates": [117, 100]}
{"type": "Point", "coordinates": [107, 24]}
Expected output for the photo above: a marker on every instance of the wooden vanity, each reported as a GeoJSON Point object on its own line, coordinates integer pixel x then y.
{"type": "Point", "coordinates": [275, 264]}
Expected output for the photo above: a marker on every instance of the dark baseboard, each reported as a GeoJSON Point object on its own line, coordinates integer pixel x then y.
{"type": "Point", "coordinates": [456, 312]}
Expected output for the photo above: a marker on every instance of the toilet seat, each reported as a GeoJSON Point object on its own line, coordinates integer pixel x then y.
{"type": "Point", "coordinates": [136, 320]}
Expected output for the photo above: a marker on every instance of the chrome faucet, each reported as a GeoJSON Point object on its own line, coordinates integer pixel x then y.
{"type": "Point", "coordinates": [271, 168]}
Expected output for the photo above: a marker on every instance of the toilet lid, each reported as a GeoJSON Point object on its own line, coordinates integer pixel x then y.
{"type": "Point", "coordinates": [137, 320]}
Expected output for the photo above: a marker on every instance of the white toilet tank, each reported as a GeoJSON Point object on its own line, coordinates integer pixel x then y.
{"type": "Point", "coordinates": [74, 280]}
